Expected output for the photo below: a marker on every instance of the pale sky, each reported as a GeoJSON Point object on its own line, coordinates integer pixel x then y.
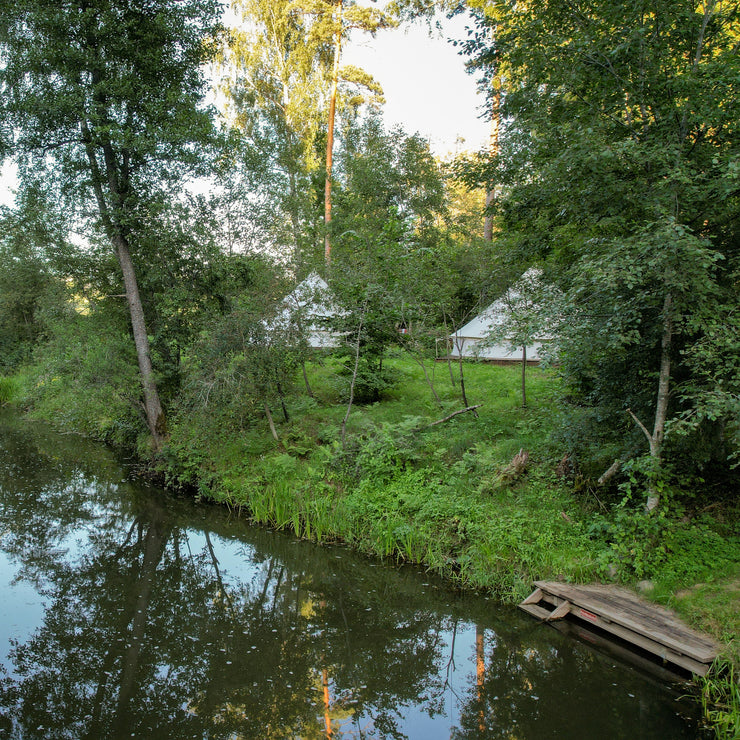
{"type": "Point", "coordinates": [7, 181]}
{"type": "Point", "coordinates": [426, 87]}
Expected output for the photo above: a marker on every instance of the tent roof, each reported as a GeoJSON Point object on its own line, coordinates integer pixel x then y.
{"type": "Point", "coordinates": [312, 297]}
{"type": "Point", "coordinates": [482, 325]}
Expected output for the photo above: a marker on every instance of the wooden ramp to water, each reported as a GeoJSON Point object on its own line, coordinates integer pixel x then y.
{"type": "Point", "coordinates": [626, 616]}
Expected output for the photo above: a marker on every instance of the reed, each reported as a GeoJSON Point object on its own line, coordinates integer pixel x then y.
{"type": "Point", "coordinates": [720, 700]}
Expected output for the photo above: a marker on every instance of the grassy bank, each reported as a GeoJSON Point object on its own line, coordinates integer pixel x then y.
{"type": "Point", "coordinates": [447, 495]}
{"type": "Point", "coordinates": [460, 498]}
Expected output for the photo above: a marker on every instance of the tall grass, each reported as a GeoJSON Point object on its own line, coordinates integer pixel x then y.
{"type": "Point", "coordinates": [720, 699]}
{"type": "Point", "coordinates": [8, 390]}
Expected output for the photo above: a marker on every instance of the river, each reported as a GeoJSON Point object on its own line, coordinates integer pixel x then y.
{"type": "Point", "coordinates": [126, 611]}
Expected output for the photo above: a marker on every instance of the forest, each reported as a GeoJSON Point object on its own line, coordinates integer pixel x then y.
{"type": "Point", "coordinates": [181, 169]}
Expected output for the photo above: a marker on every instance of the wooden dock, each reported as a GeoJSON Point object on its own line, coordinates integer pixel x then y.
{"type": "Point", "coordinates": [626, 616]}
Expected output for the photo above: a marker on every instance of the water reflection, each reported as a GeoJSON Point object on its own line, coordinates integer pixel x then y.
{"type": "Point", "coordinates": [158, 618]}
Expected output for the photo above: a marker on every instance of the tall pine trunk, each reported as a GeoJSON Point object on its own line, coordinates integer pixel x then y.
{"type": "Point", "coordinates": [330, 133]}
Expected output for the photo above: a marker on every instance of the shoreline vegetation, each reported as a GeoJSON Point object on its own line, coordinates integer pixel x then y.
{"type": "Point", "coordinates": [482, 499]}
{"type": "Point", "coordinates": [151, 314]}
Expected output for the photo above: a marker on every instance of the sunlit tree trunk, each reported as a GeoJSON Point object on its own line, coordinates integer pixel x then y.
{"type": "Point", "coordinates": [480, 675]}
{"type": "Point", "coordinates": [330, 132]}
{"type": "Point", "coordinates": [327, 703]}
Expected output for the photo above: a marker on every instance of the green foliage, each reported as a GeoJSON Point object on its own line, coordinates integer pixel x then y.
{"type": "Point", "coordinates": [85, 379]}
{"type": "Point", "coordinates": [32, 240]}
{"type": "Point", "coordinates": [720, 699]}
{"type": "Point", "coordinates": [389, 451]}
{"type": "Point", "coordinates": [242, 361]}
{"type": "Point", "coordinates": [8, 390]}
{"type": "Point", "coordinates": [388, 270]}
{"type": "Point", "coordinates": [612, 177]}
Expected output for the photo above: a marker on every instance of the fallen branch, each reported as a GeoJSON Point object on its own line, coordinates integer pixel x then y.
{"type": "Point", "coordinates": [610, 472]}
{"type": "Point", "coordinates": [455, 413]}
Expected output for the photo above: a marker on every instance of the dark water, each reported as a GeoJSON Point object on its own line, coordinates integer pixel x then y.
{"type": "Point", "coordinates": [126, 612]}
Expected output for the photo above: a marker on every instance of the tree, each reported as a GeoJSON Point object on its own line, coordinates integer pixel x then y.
{"type": "Point", "coordinates": [339, 18]}
{"type": "Point", "coordinates": [111, 93]}
{"type": "Point", "coordinates": [387, 240]}
{"type": "Point", "coordinates": [284, 84]}
{"type": "Point", "coordinates": [29, 237]}
{"type": "Point", "coordinates": [527, 313]}
{"type": "Point", "coordinates": [275, 81]}
{"type": "Point", "coordinates": [621, 132]}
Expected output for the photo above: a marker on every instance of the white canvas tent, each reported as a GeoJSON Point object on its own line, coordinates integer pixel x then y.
{"type": "Point", "coordinates": [472, 340]}
{"type": "Point", "coordinates": [310, 305]}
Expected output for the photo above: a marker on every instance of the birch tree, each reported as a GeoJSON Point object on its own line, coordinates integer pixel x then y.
{"type": "Point", "coordinates": [109, 94]}
{"type": "Point", "coordinates": [621, 133]}
{"type": "Point", "coordinates": [285, 84]}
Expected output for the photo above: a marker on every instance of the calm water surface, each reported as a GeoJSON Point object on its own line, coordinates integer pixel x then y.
{"type": "Point", "coordinates": [128, 612]}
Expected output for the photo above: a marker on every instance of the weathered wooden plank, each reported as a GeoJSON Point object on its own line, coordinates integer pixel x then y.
{"type": "Point", "coordinates": [534, 597]}
{"type": "Point", "coordinates": [535, 610]}
{"type": "Point", "coordinates": [627, 635]}
{"type": "Point", "coordinates": [617, 606]}
{"type": "Point", "coordinates": [560, 611]}
{"type": "Point", "coordinates": [605, 644]}
{"type": "Point", "coordinates": [642, 641]}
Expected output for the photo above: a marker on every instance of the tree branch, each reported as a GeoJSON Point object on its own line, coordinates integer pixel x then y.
{"type": "Point", "coordinates": [642, 426]}
{"type": "Point", "coordinates": [610, 472]}
{"type": "Point", "coordinates": [461, 411]}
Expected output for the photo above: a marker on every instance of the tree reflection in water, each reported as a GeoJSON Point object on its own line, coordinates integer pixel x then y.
{"type": "Point", "coordinates": [167, 619]}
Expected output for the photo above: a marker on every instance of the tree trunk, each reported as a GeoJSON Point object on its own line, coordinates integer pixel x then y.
{"type": "Point", "coordinates": [295, 222]}
{"type": "Point", "coordinates": [524, 376]}
{"type": "Point", "coordinates": [154, 414]}
{"type": "Point", "coordinates": [152, 405]}
{"type": "Point", "coordinates": [447, 347]}
{"type": "Point", "coordinates": [281, 396]}
{"type": "Point", "coordinates": [330, 134]}
{"type": "Point", "coordinates": [305, 379]}
{"type": "Point", "coordinates": [271, 422]}
{"type": "Point", "coordinates": [661, 406]}
{"type": "Point", "coordinates": [463, 395]}
{"type": "Point", "coordinates": [494, 152]}
{"type": "Point", "coordinates": [655, 440]}
{"type": "Point", "coordinates": [354, 374]}
{"type": "Point", "coordinates": [419, 361]}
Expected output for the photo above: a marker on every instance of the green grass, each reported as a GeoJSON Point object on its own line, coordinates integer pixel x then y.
{"type": "Point", "coordinates": [406, 490]}
{"type": "Point", "coordinates": [441, 495]}
{"type": "Point", "coordinates": [8, 390]}
{"type": "Point", "coordinates": [720, 699]}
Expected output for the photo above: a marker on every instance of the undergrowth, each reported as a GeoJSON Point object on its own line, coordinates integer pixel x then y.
{"type": "Point", "coordinates": [477, 497]}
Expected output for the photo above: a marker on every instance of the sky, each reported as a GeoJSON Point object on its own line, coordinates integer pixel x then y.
{"type": "Point", "coordinates": [426, 87]}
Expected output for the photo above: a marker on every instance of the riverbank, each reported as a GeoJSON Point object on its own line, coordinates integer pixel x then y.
{"type": "Point", "coordinates": [483, 497]}
{"type": "Point", "coordinates": [458, 497]}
